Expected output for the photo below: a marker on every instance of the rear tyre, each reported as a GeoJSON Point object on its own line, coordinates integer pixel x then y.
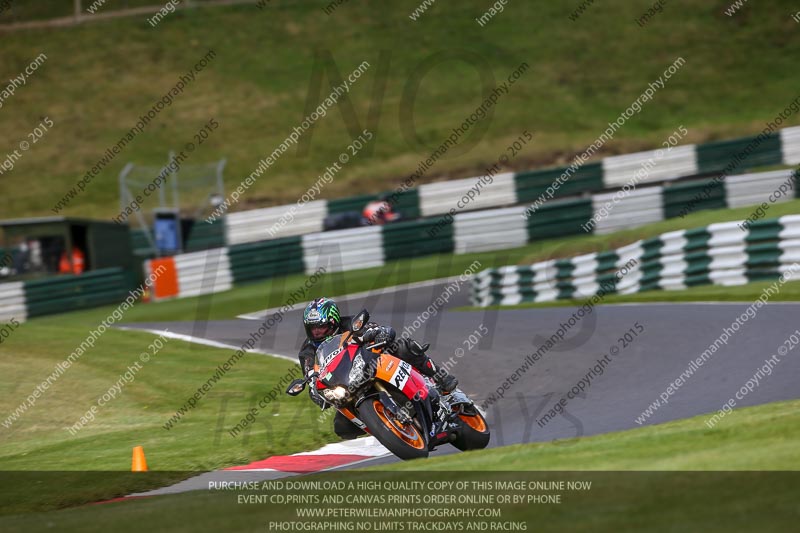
{"type": "Point", "coordinates": [406, 441]}
{"type": "Point", "coordinates": [474, 433]}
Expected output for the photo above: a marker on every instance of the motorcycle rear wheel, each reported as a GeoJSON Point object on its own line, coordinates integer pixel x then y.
{"type": "Point", "coordinates": [406, 441]}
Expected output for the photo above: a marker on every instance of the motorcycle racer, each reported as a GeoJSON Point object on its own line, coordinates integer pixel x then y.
{"type": "Point", "coordinates": [322, 320]}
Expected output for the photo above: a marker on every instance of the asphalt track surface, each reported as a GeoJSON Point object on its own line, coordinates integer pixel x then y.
{"type": "Point", "coordinates": [674, 335]}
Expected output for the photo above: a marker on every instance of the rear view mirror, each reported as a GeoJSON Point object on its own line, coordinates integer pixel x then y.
{"type": "Point", "coordinates": [358, 322]}
{"type": "Point", "coordinates": [296, 387]}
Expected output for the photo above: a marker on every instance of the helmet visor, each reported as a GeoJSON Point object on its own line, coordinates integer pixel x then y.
{"type": "Point", "coordinates": [319, 331]}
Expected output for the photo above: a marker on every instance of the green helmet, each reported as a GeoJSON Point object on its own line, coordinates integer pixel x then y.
{"type": "Point", "coordinates": [321, 319]}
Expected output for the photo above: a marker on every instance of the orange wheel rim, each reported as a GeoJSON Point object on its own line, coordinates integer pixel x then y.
{"type": "Point", "coordinates": [406, 432]}
{"type": "Point", "coordinates": [476, 422]}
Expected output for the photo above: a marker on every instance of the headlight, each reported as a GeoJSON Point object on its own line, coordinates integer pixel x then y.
{"type": "Point", "coordinates": [334, 394]}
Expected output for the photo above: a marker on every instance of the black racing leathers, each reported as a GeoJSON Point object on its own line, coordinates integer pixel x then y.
{"type": "Point", "coordinates": [406, 349]}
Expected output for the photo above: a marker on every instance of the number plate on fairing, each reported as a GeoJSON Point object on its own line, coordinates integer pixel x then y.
{"type": "Point", "coordinates": [401, 375]}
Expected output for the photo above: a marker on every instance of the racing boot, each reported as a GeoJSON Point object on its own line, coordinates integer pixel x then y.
{"type": "Point", "coordinates": [446, 382]}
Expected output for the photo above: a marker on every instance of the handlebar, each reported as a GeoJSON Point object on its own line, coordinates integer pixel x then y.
{"type": "Point", "coordinates": [376, 345]}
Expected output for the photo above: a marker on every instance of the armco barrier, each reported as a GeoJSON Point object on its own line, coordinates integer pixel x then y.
{"type": "Point", "coordinates": [715, 156]}
{"type": "Point", "coordinates": [662, 166]}
{"type": "Point", "coordinates": [533, 184]}
{"type": "Point", "coordinates": [203, 272]}
{"type": "Point", "coordinates": [413, 239]}
{"type": "Point", "coordinates": [495, 229]}
{"type": "Point", "coordinates": [439, 198]}
{"type": "Point", "coordinates": [68, 293]}
{"type": "Point", "coordinates": [275, 222]}
{"type": "Point", "coordinates": [204, 236]}
{"type": "Point", "coordinates": [752, 189]}
{"type": "Point", "coordinates": [259, 260]}
{"type": "Point", "coordinates": [687, 197]}
{"type": "Point", "coordinates": [12, 301]}
{"type": "Point", "coordinates": [559, 218]}
{"type": "Point", "coordinates": [254, 252]}
{"type": "Point", "coordinates": [470, 232]}
{"type": "Point", "coordinates": [720, 254]}
{"type": "Point", "coordinates": [639, 207]}
{"type": "Point", "coordinates": [790, 146]}
{"type": "Point", "coordinates": [25, 299]}
{"type": "Point", "coordinates": [347, 249]}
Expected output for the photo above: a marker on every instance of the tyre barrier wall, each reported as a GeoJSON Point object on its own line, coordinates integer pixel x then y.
{"type": "Point", "coordinates": [719, 254]}
{"type": "Point", "coordinates": [26, 299]}
{"type": "Point", "coordinates": [509, 189]}
{"type": "Point", "coordinates": [480, 231]}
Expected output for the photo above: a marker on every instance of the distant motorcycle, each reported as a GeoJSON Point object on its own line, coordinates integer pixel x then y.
{"type": "Point", "coordinates": [390, 399]}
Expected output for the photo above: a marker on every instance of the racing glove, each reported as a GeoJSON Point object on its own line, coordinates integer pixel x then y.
{"type": "Point", "coordinates": [315, 396]}
{"type": "Point", "coordinates": [376, 333]}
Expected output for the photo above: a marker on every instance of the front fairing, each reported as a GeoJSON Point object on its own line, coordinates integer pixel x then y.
{"type": "Point", "coordinates": [341, 362]}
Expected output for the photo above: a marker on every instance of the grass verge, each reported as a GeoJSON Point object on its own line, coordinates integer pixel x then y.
{"type": "Point", "coordinates": [755, 438]}
{"type": "Point", "coordinates": [40, 439]}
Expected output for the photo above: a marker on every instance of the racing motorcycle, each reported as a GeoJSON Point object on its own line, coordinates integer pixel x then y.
{"type": "Point", "coordinates": [389, 398]}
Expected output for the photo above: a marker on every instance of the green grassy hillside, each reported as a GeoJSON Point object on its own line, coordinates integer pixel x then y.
{"type": "Point", "coordinates": [100, 77]}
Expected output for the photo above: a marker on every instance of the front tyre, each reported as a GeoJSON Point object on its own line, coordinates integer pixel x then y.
{"type": "Point", "coordinates": [474, 432]}
{"type": "Point", "coordinates": [406, 441]}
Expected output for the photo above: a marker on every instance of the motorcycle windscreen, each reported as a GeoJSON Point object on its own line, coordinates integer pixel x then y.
{"type": "Point", "coordinates": [334, 360]}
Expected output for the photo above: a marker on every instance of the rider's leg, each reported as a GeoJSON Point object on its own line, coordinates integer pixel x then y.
{"type": "Point", "coordinates": [412, 352]}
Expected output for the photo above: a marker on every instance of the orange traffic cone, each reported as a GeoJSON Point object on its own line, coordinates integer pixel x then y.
{"type": "Point", "coordinates": [139, 464]}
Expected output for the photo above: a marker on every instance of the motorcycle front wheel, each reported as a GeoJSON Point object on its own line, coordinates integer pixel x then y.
{"type": "Point", "coordinates": [473, 433]}
{"type": "Point", "coordinates": [406, 441]}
